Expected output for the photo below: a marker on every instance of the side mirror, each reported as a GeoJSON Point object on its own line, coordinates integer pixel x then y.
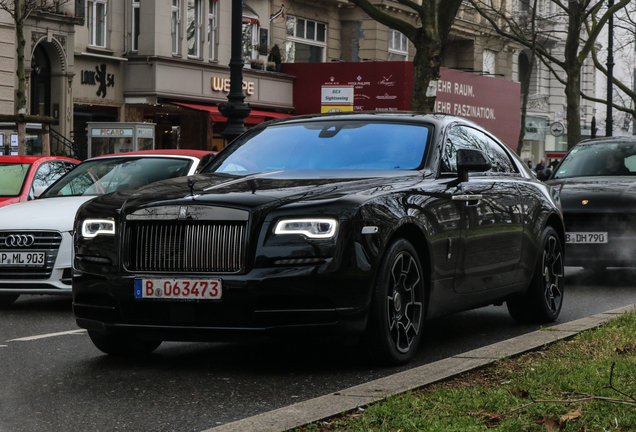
{"type": "Point", "coordinates": [470, 160]}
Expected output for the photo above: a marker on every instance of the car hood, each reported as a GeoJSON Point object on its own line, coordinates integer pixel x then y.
{"type": "Point", "coordinates": [42, 214]}
{"type": "Point", "coordinates": [265, 189]}
{"type": "Point", "coordinates": [591, 194]}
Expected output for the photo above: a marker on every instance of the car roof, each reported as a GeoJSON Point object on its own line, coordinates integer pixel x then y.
{"type": "Point", "coordinates": [609, 140]}
{"type": "Point", "coordinates": [165, 152]}
{"type": "Point", "coordinates": [437, 119]}
{"type": "Point", "coordinates": [32, 159]}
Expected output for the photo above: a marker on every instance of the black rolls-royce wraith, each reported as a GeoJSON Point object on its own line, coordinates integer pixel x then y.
{"type": "Point", "coordinates": [346, 224]}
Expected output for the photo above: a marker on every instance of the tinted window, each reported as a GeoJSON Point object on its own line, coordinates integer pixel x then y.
{"type": "Point", "coordinates": [12, 177]}
{"type": "Point", "coordinates": [105, 175]}
{"type": "Point", "coordinates": [47, 173]}
{"type": "Point", "coordinates": [462, 137]}
{"type": "Point", "coordinates": [606, 159]}
{"type": "Point", "coordinates": [327, 146]}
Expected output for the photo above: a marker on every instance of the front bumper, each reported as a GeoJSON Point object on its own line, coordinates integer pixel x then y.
{"type": "Point", "coordinates": [275, 301]}
{"type": "Point", "coordinates": [54, 280]}
{"type": "Point", "coordinates": [619, 251]}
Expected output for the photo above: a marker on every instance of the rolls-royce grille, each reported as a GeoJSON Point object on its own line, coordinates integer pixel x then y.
{"type": "Point", "coordinates": [29, 241]}
{"type": "Point", "coordinates": [186, 246]}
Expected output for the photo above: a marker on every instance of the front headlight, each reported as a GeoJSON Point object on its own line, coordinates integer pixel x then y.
{"type": "Point", "coordinates": [94, 227]}
{"type": "Point", "coordinates": [312, 228]}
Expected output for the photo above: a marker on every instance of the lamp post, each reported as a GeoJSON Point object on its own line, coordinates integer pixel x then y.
{"type": "Point", "coordinates": [236, 110]}
{"type": "Point", "coordinates": [610, 71]}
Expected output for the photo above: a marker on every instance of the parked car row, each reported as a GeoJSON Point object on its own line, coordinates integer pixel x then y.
{"type": "Point", "coordinates": [358, 224]}
{"type": "Point", "coordinates": [36, 235]}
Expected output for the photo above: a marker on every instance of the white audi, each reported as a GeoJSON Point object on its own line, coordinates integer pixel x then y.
{"type": "Point", "coordinates": [36, 236]}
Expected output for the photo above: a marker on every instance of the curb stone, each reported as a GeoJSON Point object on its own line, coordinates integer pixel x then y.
{"type": "Point", "coordinates": [323, 407]}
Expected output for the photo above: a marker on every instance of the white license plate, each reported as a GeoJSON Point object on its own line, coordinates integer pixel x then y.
{"type": "Point", "coordinates": [23, 259]}
{"type": "Point", "coordinates": [586, 237]}
{"type": "Point", "coordinates": [192, 289]}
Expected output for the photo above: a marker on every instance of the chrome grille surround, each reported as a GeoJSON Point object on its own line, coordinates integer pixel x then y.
{"type": "Point", "coordinates": [43, 241]}
{"type": "Point", "coordinates": [185, 246]}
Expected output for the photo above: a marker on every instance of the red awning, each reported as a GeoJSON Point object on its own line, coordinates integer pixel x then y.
{"type": "Point", "coordinates": [255, 116]}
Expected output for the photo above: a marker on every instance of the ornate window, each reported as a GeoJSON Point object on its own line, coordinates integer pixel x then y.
{"type": "Point", "coordinates": [97, 22]}
{"type": "Point", "coordinates": [193, 28]}
{"type": "Point", "coordinates": [212, 11]}
{"type": "Point", "coordinates": [174, 25]}
{"type": "Point", "coordinates": [306, 41]}
{"type": "Point", "coordinates": [398, 46]}
{"type": "Point", "coordinates": [135, 25]}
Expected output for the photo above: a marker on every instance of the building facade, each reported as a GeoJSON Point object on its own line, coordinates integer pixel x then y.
{"type": "Point", "coordinates": [166, 61]}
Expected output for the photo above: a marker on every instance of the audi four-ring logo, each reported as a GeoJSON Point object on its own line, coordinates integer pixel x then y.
{"type": "Point", "coordinates": [19, 240]}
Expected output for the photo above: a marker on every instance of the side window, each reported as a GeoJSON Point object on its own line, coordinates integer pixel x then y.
{"type": "Point", "coordinates": [48, 173]}
{"type": "Point", "coordinates": [462, 137]}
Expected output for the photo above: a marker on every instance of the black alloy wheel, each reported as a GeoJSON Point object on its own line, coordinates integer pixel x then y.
{"type": "Point", "coordinates": [122, 345]}
{"type": "Point", "coordinates": [396, 316]}
{"type": "Point", "coordinates": [544, 298]}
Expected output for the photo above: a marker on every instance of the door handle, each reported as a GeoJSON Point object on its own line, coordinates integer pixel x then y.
{"type": "Point", "coordinates": [467, 197]}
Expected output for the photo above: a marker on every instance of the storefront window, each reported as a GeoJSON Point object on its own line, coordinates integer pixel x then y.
{"type": "Point", "coordinates": [175, 19]}
{"type": "Point", "coordinates": [97, 22]}
{"type": "Point", "coordinates": [194, 27]}
{"type": "Point", "coordinates": [306, 41]}
{"type": "Point", "coordinates": [398, 46]}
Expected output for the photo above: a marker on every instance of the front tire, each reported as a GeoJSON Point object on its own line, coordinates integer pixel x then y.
{"type": "Point", "coordinates": [396, 315]}
{"type": "Point", "coordinates": [123, 345]}
{"type": "Point", "coordinates": [543, 300]}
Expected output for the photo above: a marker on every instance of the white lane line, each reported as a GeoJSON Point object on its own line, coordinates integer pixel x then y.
{"type": "Point", "coordinates": [30, 338]}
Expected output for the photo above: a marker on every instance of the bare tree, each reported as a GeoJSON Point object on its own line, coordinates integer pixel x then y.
{"type": "Point", "coordinates": [437, 17]}
{"type": "Point", "coordinates": [20, 10]}
{"type": "Point", "coordinates": [578, 14]}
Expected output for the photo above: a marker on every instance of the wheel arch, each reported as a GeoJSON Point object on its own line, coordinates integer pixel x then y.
{"type": "Point", "coordinates": [556, 222]}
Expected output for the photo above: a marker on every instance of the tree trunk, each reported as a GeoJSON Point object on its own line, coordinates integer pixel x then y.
{"type": "Point", "coordinates": [21, 138]}
{"type": "Point", "coordinates": [21, 95]}
{"type": "Point", "coordinates": [573, 110]}
{"type": "Point", "coordinates": [426, 65]}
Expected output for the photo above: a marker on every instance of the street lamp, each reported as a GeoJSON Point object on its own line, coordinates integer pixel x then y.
{"type": "Point", "coordinates": [236, 110]}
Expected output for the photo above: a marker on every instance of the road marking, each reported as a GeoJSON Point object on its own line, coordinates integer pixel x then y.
{"type": "Point", "coordinates": [30, 338]}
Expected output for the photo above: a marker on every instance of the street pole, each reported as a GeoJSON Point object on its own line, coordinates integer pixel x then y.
{"type": "Point", "coordinates": [609, 122]}
{"type": "Point", "coordinates": [236, 110]}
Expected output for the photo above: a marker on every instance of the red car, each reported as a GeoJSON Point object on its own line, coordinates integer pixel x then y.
{"type": "Point", "coordinates": [25, 177]}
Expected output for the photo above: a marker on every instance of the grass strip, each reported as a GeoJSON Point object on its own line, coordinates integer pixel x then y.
{"type": "Point", "coordinates": [585, 384]}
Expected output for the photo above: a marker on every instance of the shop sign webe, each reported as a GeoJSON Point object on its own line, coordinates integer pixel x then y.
{"type": "Point", "coordinates": [98, 77]}
{"type": "Point", "coordinates": [223, 85]}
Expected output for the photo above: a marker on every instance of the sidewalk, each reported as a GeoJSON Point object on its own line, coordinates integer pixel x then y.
{"type": "Point", "coordinates": [348, 399]}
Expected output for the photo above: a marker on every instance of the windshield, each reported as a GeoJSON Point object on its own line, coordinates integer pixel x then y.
{"type": "Point", "coordinates": [105, 175]}
{"type": "Point", "coordinates": [606, 159]}
{"type": "Point", "coordinates": [12, 177]}
{"type": "Point", "coordinates": [327, 146]}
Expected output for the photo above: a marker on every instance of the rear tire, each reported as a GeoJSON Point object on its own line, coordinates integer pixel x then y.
{"type": "Point", "coordinates": [123, 345]}
{"type": "Point", "coordinates": [396, 316]}
{"type": "Point", "coordinates": [7, 300]}
{"type": "Point", "coordinates": [542, 302]}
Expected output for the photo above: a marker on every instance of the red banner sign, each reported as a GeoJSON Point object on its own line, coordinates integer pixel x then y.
{"type": "Point", "coordinates": [386, 86]}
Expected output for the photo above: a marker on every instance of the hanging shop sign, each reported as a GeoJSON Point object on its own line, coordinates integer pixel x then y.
{"type": "Point", "coordinates": [98, 77]}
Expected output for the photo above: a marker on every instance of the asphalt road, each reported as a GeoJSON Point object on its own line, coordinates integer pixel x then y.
{"type": "Point", "coordinates": [60, 382]}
